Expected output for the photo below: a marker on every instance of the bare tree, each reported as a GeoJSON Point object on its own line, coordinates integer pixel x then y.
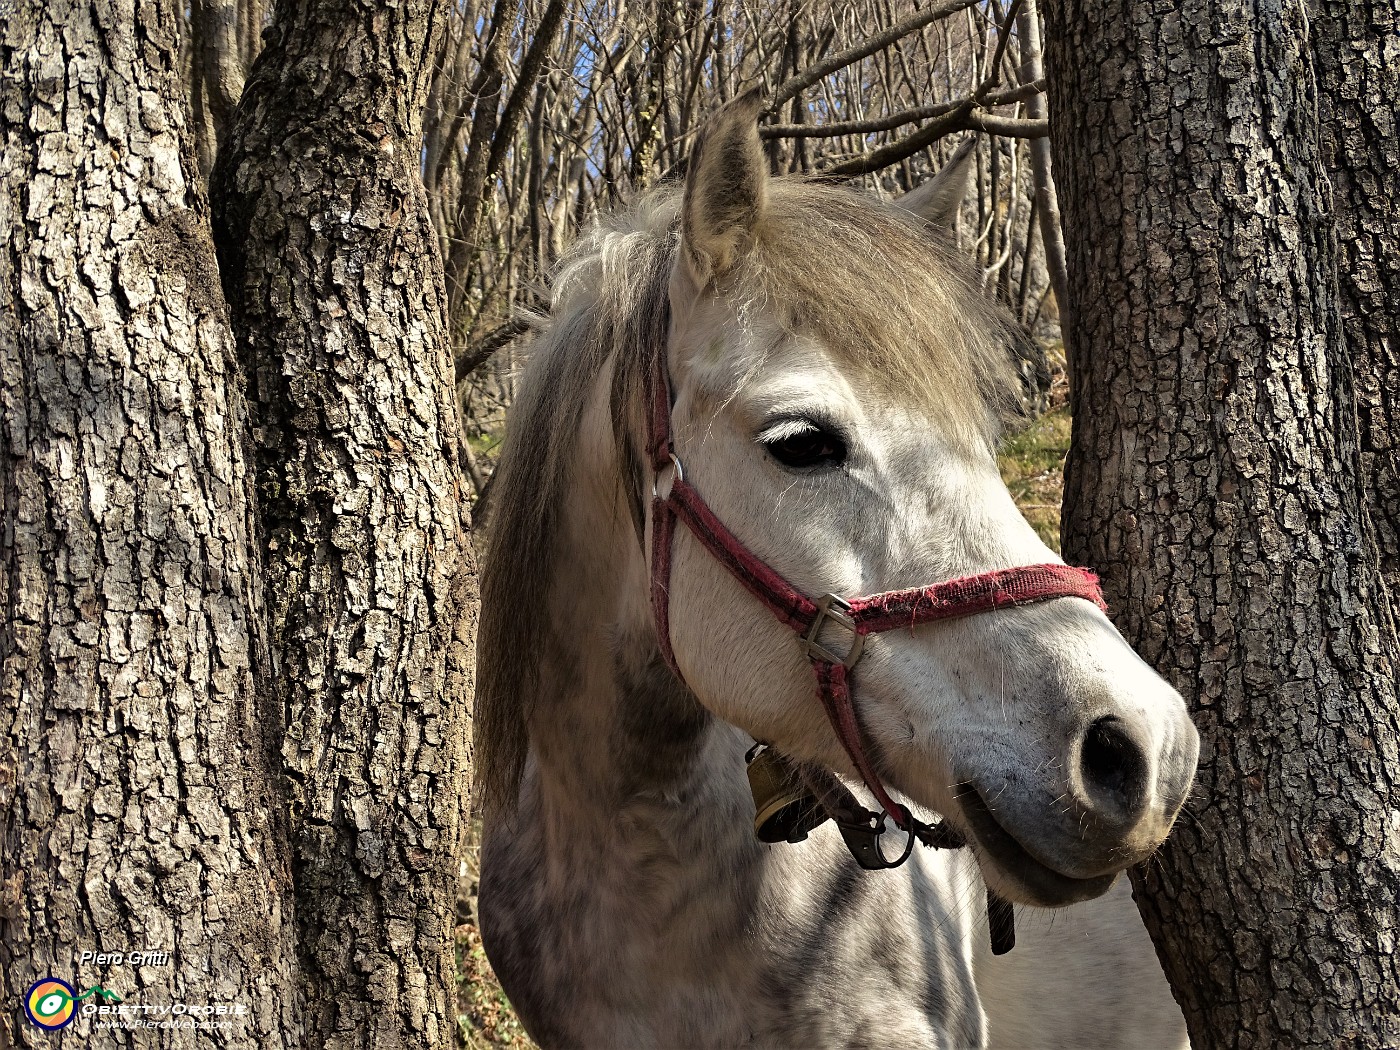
{"type": "Point", "coordinates": [613, 91]}
{"type": "Point", "coordinates": [138, 781]}
{"type": "Point", "coordinates": [330, 265]}
{"type": "Point", "coordinates": [1215, 480]}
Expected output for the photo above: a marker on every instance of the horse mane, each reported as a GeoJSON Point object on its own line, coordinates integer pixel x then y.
{"type": "Point", "coordinates": [866, 279]}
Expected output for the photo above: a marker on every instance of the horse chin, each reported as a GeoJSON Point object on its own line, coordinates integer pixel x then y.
{"type": "Point", "coordinates": [1012, 872]}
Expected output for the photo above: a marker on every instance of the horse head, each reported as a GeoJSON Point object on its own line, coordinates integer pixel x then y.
{"type": "Point", "coordinates": [837, 390]}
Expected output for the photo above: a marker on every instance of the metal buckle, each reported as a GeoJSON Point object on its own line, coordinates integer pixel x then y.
{"type": "Point", "coordinates": [836, 609]}
{"type": "Point", "coordinates": [862, 839]}
{"type": "Point", "coordinates": [677, 474]}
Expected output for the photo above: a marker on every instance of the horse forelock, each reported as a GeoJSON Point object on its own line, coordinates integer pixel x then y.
{"type": "Point", "coordinates": [863, 278]}
{"type": "Point", "coordinates": [890, 301]}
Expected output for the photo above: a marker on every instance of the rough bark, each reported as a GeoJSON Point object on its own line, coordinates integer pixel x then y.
{"type": "Point", "coordinates": [136, 760]}
{"type": "Point", "coordinates": [1357, 48]}
{"type": "Point", "coordinates": [332, 272]}
{"type": "Point", "coordinates": [1212, 480]}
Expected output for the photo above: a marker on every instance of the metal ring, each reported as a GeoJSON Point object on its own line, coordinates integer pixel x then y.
{"type": "Point", "coordinates": [677, 474]}
{"type": "Point", "coordinates": [909, 831]}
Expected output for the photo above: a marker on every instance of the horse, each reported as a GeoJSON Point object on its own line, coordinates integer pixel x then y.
{"type": "Point", "coordinates": [813, 372]}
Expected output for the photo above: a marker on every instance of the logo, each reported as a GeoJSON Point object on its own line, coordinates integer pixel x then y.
{"type": "Point", "coordinates": [49, 1003]}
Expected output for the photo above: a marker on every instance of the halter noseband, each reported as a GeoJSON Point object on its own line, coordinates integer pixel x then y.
{"type": "Point", "coordinates": [862, 616]}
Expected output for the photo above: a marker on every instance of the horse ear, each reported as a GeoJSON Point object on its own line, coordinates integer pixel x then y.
{"type": "Point", "coordinates": [726, 183]}
{"type": "Point", "coordinates": [937, 200]}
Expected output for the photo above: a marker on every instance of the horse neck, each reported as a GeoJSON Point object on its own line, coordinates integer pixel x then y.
{"type": "Point", "coordinates": [617, 732]}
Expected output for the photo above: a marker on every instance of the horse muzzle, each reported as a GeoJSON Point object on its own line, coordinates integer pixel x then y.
{"type": "Point", "coordinates": [1062, 840]}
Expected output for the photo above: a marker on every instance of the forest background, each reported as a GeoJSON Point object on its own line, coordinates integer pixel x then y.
{"type": "Point", "coordinates": [271, 271]}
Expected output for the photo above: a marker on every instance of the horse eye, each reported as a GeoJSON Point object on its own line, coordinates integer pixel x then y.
{"type": "Point", "coordinates": [804, 444]}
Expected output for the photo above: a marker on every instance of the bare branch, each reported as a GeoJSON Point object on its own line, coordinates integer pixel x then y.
{"type": "Point", "coordinates": [893, 153]}
{"type": "Point", "coordinates": [994, 70]}
{"type": "Point", "coordinates": [1008, 127]}
{"type": "Point", "coordinates": [525, 83]}
{"type": "Point", "coordinates": [989, 122]}
{"type": "Point", "coordinates": [1024, 93]}
{"type": "Point", "coordinates": [474, 174]}
{"type": "Point", "coordinates": [858, 127]}
{"type": "Point", "coordinates": [864, 49]}
{"type": "Point", "coordinates": [1048, 202]}
{"type": "Point", "coordinates": [478, 355]}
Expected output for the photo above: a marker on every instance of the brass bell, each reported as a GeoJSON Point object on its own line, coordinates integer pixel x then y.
{"type": "Point", "coordinates": [784, 810]}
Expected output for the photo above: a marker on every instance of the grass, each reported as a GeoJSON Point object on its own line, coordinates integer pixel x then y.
{"type": "Point", "coordinates": [485, 1018]}
{"type": "Point", "coordinates": [1032, 465]}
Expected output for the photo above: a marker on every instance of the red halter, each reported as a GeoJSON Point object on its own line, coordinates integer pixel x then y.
{"type": "Point", "coordinates": [871, 614]}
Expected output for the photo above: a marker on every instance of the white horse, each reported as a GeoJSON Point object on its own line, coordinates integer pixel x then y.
{"type": "Point", "coordinates": [837, 390]}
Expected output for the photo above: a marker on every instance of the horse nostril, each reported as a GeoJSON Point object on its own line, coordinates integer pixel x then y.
{"type": "Point", "coordinates": [1114, 767]}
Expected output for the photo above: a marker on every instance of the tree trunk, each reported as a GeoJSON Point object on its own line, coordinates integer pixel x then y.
{"type": "Point", "coordinates": [333, 276]}
{"type": "Point", "coordinates": [136, 771]}
{"type": "Point", "coordinates": [1357, 47]}
{"type": "Point", "coordinates": [1212, 480]}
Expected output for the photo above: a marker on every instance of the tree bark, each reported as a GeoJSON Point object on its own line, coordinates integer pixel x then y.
{"type": "Point", "coordinates": [137, 762]}
{"type": "Point", "coordinates": [333, 275]}
{"type": "Point", "coordinates": [1212, 480]}
{"type": "Point", "coordinates": [1357, 48]}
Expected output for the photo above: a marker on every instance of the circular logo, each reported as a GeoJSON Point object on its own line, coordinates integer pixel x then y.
{"type": "Point", "coordinates": [49, 1003]}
